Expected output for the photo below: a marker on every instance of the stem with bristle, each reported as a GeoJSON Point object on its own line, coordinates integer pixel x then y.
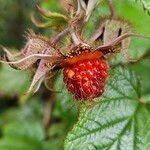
{"type": "Point", "coordinates": [75, 38]}
{"type": "Point", "coordinates": [59, 36]}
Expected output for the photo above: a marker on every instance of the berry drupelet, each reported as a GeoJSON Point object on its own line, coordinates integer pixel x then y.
{"type": "Point", "coordinates": [86, 75]}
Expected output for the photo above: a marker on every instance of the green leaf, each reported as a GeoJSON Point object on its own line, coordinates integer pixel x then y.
{"type": "Point", "coordinates": [57, 133]}
{"type": "Point", "coordinates": [115, 121]}
{"type": "Point", "coordinates": [12, 81]}
{"type": "Point", "coordinates": [131, 12]}
{"type": "Point", "coordinates": [31, 111]}
{"type": "Point", "coordinates": [145, 4]}
{"type": "Point", "coordinates": [52, 5]}
{"type": "Point", "coordinates": [54, 144]}
{"type": "Point", "coordinates": [22, 135]}
{"type": "Point", "coordinates": [145, 131]}
{"type": "Point", "coordinates": [142, 69]}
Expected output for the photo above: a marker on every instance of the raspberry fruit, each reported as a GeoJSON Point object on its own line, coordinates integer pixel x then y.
{"type": "Point", "coordinates": [86, 78]}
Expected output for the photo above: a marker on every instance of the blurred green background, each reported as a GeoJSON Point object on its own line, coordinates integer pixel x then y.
{"type": "Point", "coordinates": [41, 122]}
{"type": "Point", "coordinates": [38, 122]}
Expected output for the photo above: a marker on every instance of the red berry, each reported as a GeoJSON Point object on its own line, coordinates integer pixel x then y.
{"type": "Point", "coordinates": [86, 78]}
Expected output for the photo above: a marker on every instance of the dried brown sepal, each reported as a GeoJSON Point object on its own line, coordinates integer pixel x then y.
{"type": "Point", "coordinates": [35, 43]}
{"type": "Point", "coordinates": [45, 67]}
{"type": "Point", "coordinates": [109, 29]}
{"type": "Point", "coordinates": [32, 51]}
{"type": "Point", "coordinates": [111, 47]}
{"type": "Point", "coordinates": [122, 27]}
{"type": "Point", "coordinates": [41, 51]}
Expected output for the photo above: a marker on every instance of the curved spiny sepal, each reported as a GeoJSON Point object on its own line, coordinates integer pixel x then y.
{"type": "Point", "coordinates": [33, 50]}
{"type": "Point", "coordinates": [51, 15]}
{"type": "Point", "coordinates": [44, 67]}
{"type": "Point", "coordinates": [53, 20]}
{"type": "Point", "coordinates": [39, 23]}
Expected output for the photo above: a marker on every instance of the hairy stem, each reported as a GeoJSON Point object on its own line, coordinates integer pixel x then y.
{"type": "Point", "coordinates": [75, 38]}
{"type": "Point", "coordinates": [59, 36]}
{"type": "Point", "coordinates": [111, 7]}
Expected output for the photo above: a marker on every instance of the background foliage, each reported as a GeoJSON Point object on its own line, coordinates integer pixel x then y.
{"type": "Point", "coordinates": [118, 120]}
